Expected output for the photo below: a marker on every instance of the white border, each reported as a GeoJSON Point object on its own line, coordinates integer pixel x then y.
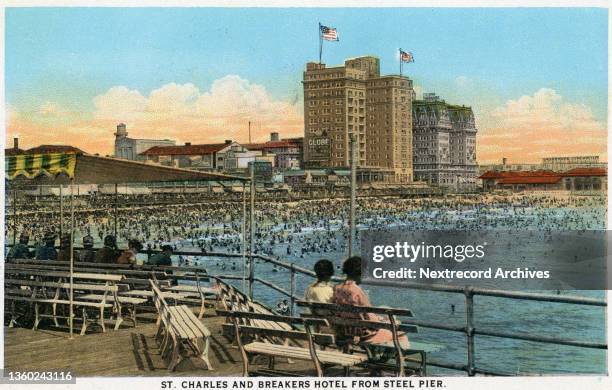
{"type": "Point", "coordinates": [147, 383]}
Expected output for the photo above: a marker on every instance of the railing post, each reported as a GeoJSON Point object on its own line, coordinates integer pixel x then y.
{"type": "Point", "coordinates": [15, 221]}
{"type": "Point", "coordinates": [115, 213]}
{"type": "Point", "coordinates": [469, 328]}
{"type": "Point", "coordinates": [292, 289]}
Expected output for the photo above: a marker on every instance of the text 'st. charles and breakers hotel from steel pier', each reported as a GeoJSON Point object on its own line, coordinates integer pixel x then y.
{"type": "Point", "coordinates": [355, 99]}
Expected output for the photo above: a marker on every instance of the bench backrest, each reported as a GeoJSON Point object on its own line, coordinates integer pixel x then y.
{"type": "Point", "coordinates": [64, 285]}
{"type": "Point", "coordinates": [139, 267]}
{"type": "Point", "coordinates": [82, 269]}
{"type": "Point", "coordinates": [357, 322]}
{"type": "Point", "coordinates": [267, 333]}
{"type": "Point", "coordinates": [158, 296]}
{"type": "Point", "coordinates": [12, 270]}
{"type": "Point", "coordinates": [356, 318]}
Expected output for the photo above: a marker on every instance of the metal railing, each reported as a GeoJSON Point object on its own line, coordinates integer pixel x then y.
{"type": "Point", "coordinates": [468, 329]}
{"type": "Point", "coordinates": [468, 292]}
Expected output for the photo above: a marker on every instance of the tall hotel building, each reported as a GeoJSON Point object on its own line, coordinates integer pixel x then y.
{"type": "Point", "coordinates": [444, 143]}
{"type": "Point", "coordinates": [355, 100]}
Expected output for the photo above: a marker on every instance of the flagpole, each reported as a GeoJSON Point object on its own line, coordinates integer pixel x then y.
{"type": "Point", "coordinates": [320, 43]}
{"type": "Point", "coordinates": [400, 55]}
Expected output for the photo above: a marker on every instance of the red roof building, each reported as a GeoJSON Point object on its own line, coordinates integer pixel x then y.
{"type": "Point", "coordinates": [577, 179]}
{"type": "Point", "coordinates": [288, 152]}
{"type": "Point", "coordinates": [185, 150]}
{"type": "Point", "coordinates": [200, 156]}
{"type": "Point", "coordinates": [585, 172]}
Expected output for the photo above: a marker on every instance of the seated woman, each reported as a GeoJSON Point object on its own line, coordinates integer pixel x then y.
{"type": "Point", "coordinates": [349, 293]}
{"type": "Point", "coordinates": [322, 290]}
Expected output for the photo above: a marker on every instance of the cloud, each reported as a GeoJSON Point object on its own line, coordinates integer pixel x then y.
{"type": "Point", "coordinates": [524, 129]}
{"type": "Point", "coordinates": [177, 111]}
{"type": "Point", "coordinates": [50, 109]}
{"type": "Point", "coordinates": [119, 102]}
{"type": "Point", "coordinates": [540, 125]}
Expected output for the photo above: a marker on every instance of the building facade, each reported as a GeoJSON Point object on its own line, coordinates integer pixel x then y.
{"type": "Point", "coordinates": [567, 163]}
{"type": "Point", "coordinates": [444, 143]}
{"type": "Point", "coordinates": [389, 125]}
{"type": "Point", "coordinates": [557, 164]}
{"type": "Point", "coordinates": [287, 152]}
{"type": "Point", "coordinates": [229, 157]}
{"type": "Point", "coordinates": [576, 179]}
{"type": "Point", "coordinates": [354, 102]}
{"type": "Point", "coordinates": [131, 148]}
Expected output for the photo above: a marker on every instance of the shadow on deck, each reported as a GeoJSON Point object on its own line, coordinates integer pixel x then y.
{"type": "Point", "coordinates": [128, 351]}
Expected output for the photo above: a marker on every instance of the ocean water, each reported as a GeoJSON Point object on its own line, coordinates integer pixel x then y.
{"type": "Point", "coordinates": [568, 321]}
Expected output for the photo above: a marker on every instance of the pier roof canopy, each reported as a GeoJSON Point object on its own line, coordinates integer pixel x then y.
{"type": "Point", "coordinates": [61, 168]}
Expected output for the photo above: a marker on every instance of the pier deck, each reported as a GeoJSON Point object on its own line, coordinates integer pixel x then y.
{"type": "Point", "coordinates": [126, 352]}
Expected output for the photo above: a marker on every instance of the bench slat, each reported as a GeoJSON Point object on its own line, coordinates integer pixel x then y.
{"type": "Point", "coordinates": [64, 285]}
{"type": "Point", "coordinates": [320, 338]}
{"type": "Point", "coordinates": [98, 297]}
{"type": "Point", "coordinates": [191, 321]}
{"type": "Point", "coordinates": [335, 307]}
{"type": "Point", "coordinates": [178, 322]}
{"type": "Point", "coordinates": [300, 353]}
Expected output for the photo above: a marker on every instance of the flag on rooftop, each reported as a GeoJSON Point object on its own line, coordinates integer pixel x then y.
{"type": "Point", "coordinates": [406, 56]}
{"type": "Point", "coordinates": [329, 33]}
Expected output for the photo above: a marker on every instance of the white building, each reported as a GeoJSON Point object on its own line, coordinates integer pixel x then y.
{"type": "Point", "coordinates": [131, 148]}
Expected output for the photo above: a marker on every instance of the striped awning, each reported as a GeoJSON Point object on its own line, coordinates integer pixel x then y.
{"type": "Point", "coordinates": [34, 165]}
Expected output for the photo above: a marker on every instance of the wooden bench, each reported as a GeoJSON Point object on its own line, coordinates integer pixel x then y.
{"type": "Point", "coordinates": [232, 299]}
{"type": "Point", "coordinates": [192, 294]}
{"type": "Point", "coordinates": [130, 303]}
{"type": "Point", "coordinates": [180, 331]}
{"type": "Point", "coordinates": [259, 343]}
{"type": "Point", "coordinates": [348, 322]}
{"type": "Point", "coordinates": [52, 294]}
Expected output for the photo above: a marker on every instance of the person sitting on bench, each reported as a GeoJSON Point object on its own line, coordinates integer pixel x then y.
{"type": "Point", "coordinates": [47, 250]}
{"type": "Point", "coordinates": [64, 252]}
{"type": "Point", "coordinates": [129, 255]}
{"type": "Point", "coordinates": [322, 290]}
{"type": "Point", "coordinates": [108, 253]}
{"type": "Point", "coordinates": [162, 258]}
{"type": "Point", "coordinates": [349, 293]}
{"type": "Point", "coordinates": [87, 254]}
{"type": "Point", "coordinates": [20, 250]}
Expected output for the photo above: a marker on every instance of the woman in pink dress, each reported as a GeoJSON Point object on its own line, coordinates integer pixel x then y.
{"type": "Point", "coordinates": [349, 293]}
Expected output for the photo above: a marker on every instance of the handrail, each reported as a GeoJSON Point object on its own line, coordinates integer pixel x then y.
{"type": "Point", "coordinates": [469, 329]}
{"type": "Point", "coordinates": [469, 292]}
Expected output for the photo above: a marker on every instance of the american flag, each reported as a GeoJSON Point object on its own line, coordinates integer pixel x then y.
{"type": "Point", "coordinates": [406, 56]}
{"type": "Point", "coordinates": [329, 33]}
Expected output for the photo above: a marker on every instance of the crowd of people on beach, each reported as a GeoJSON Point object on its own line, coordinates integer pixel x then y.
{"type": "Point", "coordinates": [294, 229]}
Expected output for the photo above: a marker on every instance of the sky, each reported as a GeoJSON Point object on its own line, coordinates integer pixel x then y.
{"type": "Point", "coordinates": [536, 78]}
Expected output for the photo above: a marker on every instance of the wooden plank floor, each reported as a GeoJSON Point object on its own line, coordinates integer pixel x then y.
{"type": "Point", "coordinates": [126, 352]}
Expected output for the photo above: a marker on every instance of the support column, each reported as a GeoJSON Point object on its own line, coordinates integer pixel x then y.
{"type": "Point", "coordinates": [115, 213]}
{"type": "Point", "coordinates": [71, 255]}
